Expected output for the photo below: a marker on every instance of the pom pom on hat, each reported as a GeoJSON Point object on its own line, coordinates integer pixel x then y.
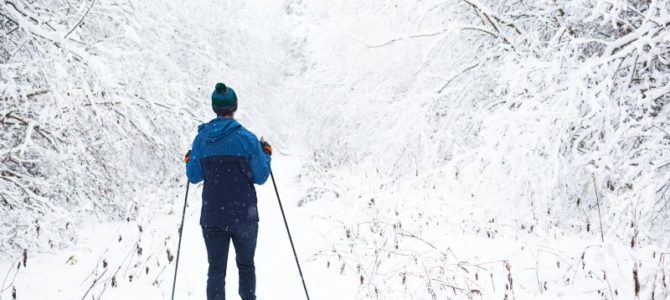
{"type": "Point", "coordinates": [220, 88]}
{"type": "Point", "coordinates": [224, 100]}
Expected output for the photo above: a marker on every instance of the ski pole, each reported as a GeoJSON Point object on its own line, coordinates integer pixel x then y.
{"type": "Point", "coordinates": [274, 183]}
{"type": "Point", "coordinates": [181, 231]}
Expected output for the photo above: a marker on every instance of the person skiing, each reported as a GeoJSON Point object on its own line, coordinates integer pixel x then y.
{"type": "Point", "coordinates": [230, 160]}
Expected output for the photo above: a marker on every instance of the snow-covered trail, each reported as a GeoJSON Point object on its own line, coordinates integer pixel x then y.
{"type": "Point", "coordinates": [108, 254]}
{"type": "Point", "coordinates": [134, 258]}
{"type": "Point", "coordinates": [275, 267]}
{"type": "Point", "coordinates": [276, 271]}
{"type": "Point", "coordinates": [309, 79]}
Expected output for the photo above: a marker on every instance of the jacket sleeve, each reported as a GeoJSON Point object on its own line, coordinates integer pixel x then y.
{"type": "Point", "coordinates": [259, 162]}
{"type": "Point", "coordinates": [193, 167]}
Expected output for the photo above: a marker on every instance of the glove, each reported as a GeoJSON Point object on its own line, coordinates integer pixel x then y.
{"type": "Point", "coordinates": [187, 157]}
{"type": "Point", "coordinates": [266, 147]}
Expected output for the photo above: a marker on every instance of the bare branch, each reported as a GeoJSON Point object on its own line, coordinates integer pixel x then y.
{"type": "Point", "coordinates": [600, 217]}
{"type": "Point", "coordinates": [81, 19]}
{"type": "Point", "coordinates": [621, 43]}
{"type": "Point", "coordinates": [28, 95]}
{"type": "Point", "coordinates": [392, 41]}
{"type": "Point", "coordinates": [490, 18]}
{"type": "Point", "coordinates": [9, 18]}
{"type": "Point", "coordinates": [21, 12]}
{"type": "Point", "coordinates": [456, 76]}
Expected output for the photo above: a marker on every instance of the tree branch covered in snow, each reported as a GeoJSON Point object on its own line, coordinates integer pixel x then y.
{"type": "Point", "coordinates": [519, 121]}
{"type": "Point", "coordinates": [458, 148]}
{"type": "Point", "coordinates": [98, 102]}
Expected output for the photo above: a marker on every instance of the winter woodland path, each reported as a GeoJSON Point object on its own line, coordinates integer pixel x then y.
{"type": "Point", "coordinates": [134, 259]}
{"type": "Point", "coordinates": [370, 213]}
{"type": "Point", "coordinates": [276, 272]}
{"type": "Point", "coordinates": [68, 273]}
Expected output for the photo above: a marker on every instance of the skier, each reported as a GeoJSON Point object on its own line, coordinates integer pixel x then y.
{"type": "Point", "coordinates": [230, 160]}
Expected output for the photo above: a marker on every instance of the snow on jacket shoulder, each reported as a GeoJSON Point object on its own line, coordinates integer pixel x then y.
{"type": "Point", "coordinates": [230, 160]}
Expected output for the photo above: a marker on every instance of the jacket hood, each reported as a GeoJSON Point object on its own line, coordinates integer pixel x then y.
{"type": "Point", "coordinates": [217, 129]}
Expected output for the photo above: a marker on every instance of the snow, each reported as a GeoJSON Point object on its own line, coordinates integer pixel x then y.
{"type": "Point", "coordinates": [427, 150]}
{"type": "Point", "coordinates": [77, 271]}
{"type": "Point", "coordinates": [476, 262]}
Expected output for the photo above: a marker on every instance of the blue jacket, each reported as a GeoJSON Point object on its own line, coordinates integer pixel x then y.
{"type": "Point", "coordinates": [230, 160]}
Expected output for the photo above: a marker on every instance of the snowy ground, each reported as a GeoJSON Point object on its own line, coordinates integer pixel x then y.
{"type": "Point", "coordinates": [108, 253]}
{"type": "Point", "coordinates": [392, 190]}
{"type": "Point", "coordinates": [106, 263]}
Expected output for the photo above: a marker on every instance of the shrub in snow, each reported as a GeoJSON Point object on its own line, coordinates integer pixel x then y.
{"type": "Point", "coordinates": [99, 101]}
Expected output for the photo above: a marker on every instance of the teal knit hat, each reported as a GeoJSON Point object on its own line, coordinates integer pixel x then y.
{"type": "Point", "coordinates": [224, 100]}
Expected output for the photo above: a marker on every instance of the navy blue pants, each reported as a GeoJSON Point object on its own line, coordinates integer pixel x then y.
{"type": "Point", "coordinates": [217, 241]}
